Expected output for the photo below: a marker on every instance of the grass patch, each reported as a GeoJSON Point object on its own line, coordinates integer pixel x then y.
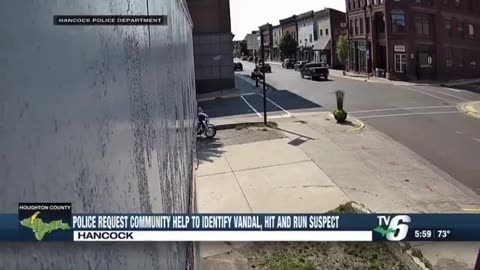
{"type": "Point", "coordinates": [346, 208]}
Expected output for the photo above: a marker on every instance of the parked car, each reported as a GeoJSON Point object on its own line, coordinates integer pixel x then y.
{"type": "Point", "coordinates": [256, 74]}
{"type": "Point", "coordinates": [315, 71]}
{"type": "Point", "coordinates": [244, 58]}
{"type": "Point", "coordinates": [267, 68]}
{"type": "Point", "coordinates": [250, 59]}
{"type": "Point", "coordinates": [237, 66]}
{"type": "Point", "coordinates": [299, 65]}
{"type": "Point", "coordinates": [288, 63]}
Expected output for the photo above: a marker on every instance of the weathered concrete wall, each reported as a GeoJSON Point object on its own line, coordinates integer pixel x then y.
{"type": "Point", "coordinates": [99, 116]}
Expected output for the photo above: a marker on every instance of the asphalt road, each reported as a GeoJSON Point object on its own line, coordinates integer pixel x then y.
{"type": "Point", "coordinates": [423, 118]}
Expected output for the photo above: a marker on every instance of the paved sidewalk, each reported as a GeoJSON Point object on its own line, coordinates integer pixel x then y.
{"type": "Point", "coordinates": [319, 165]}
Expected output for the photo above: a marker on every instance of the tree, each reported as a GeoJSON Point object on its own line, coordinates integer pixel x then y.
{"type": "Point", "coordinates": [288, 45]}
{"type": "Point", "coordinates": [243, 48]}
{"type": "Point", "coordinates": [342, 50]}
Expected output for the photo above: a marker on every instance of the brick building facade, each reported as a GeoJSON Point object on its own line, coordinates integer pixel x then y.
{"type": "Point", "coordinates": [289, 25]}
{"type": "Point", "coordinates": [329, 24]}
{"type": "Point", "coordinates": [212, 44]}
{"type": "Point", "coordinates": [415, 40]}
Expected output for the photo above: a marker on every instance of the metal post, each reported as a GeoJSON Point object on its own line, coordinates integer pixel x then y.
{"type": "Point", "coordinates": [367, 56]}
{"type": "Point", "coordinates": [263, 72]}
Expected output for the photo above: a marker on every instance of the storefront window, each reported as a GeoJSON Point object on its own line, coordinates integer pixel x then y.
{"type": "Point", "coordinates": [425, 60]}
{"type": "Point", "coordinates": [449, 61]}
{"type": "Point", "coordinates": [400, 62]}
{"type": "Point", "coordinates": [398, 21]}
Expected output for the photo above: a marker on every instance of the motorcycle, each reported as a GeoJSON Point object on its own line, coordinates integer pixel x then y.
{"type": "Point", "coordinates": [203, 125]}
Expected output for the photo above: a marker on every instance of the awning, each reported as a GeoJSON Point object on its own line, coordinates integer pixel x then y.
{"type": "Point", "coordinates": [323, 45]}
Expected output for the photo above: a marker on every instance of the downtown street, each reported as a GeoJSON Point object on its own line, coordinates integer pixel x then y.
{"type": "Point", "coordinates": [424, 118]}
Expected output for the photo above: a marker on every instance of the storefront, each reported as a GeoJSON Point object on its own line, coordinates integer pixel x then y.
{"type": "Point", "coordinates": [360, 56]}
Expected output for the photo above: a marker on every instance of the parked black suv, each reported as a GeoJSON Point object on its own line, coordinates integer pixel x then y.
{"type": "Point", "coordinates": [315, 71]}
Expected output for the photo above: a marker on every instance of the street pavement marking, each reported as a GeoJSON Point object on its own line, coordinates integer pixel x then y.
{"type": "Point", "coordinates": [475, 139]}
{"type": "Point", "coordinates": [453, 89]}
{"type": "Point", "coordinates": [287, 112]}
{"type": "Point", "coordinates": [427, 94]}
{"type": "Point", "coordinates": [251, 107]}
{"type": "Point", "coordinates": [360, 127]}
{"type": "Point", "coordinates": [404, 108]}
{"type": "Point", "coordinates": [406, 114]}
{"type": "Point", "coordinates": [441, 92]}
{"type": "Point", "coordinates": [469, 109]}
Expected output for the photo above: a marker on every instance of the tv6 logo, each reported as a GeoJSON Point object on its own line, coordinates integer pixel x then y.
{"type": "Point", "coordinates": [397, 226]}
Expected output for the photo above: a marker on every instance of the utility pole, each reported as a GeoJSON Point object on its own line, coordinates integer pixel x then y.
{"type": "Point", "coordinates": [263, 72]}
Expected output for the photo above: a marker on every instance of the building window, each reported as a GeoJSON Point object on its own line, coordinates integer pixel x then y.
{"type": "Point", "coordinates": [367, 25]}
{"type": "Point", "coordinates": [321, 32]}
{"type": "Point", "coordinates": [460, 29]}
{"type": "Point", "coordinates": [471, 31]}
{"type": "Point", "coordinates": [449, 61]}
{"type": "Point", "coordinates": [356, 27]}
{"type": "Point", "coordinates": [460, 59]}
{"type": "Point", "coordinates": [361, 26]}
{"type": "Point", "coordinates": [398, 21]}
{"type": "Point", "coordinates": [326, 32]}
{"type": "Point", "coordinates": [422, 24]}
{"type": "Point", "coordinates": [400, 62]}
{"type": "Point", "coordinates": [448, 28]}
{"type": "Point", "coordinates": [310, 38]}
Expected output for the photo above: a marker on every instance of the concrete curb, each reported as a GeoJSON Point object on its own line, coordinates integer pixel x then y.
{"type": "Point", "coordinates": [470, 109]}
{"type": "Point", "coordinates": [460, 83]}
{"type": "Point", "coordinates": [225, 96]}
{"type": "Point", "coordinates": [361, 124]}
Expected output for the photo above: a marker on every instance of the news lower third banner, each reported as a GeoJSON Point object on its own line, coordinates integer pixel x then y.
{"type": "Point", "coordinates": [55, 222]}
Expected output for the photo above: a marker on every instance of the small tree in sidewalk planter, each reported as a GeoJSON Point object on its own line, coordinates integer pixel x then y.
{"type": "Point", "coordinates": [340, 114]}
{"type": "Point", "coordinates": [342, 50]}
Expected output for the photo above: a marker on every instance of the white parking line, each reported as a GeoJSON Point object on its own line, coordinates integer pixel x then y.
{"type": "Point", "coordinates": [478, 140]}
{"type": "Point", "coordinates": [251, 107]}
{"type": "Point", "coordinates": [269, 100]}
{"type": "Point", "coordinates": [441, 92]}
{"type": "Point", "coordinates": [404, 108]}
{"type": "Point", "coordinates": [453, 89]}
{"type": "Point", "coordinates": [427, 94]}
{"type": "Point", "coordinates": [405, 114]}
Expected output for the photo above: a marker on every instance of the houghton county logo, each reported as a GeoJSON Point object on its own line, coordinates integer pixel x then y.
{"type": "Point", "coordinates": [45, 218]}
{"type": "Point", "coordinates": [41, 228]}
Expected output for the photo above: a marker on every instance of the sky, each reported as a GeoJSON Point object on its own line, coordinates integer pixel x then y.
{"type": "Point", "coordinates": [248, 15]}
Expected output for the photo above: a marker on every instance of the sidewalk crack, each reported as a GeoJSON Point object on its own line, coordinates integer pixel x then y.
{"type": "Point", "coordinates": [240, 186]}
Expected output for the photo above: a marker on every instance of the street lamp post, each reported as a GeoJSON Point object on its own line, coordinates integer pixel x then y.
{"type": "Point", "coordinates": [263, 72]}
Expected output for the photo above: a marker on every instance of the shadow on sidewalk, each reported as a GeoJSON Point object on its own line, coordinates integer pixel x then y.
{"type": "Point", "coordinates": [208, 149]}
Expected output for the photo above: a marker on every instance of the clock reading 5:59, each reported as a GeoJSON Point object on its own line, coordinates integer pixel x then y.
{"type": "Point", "coordinates": [423, 233]}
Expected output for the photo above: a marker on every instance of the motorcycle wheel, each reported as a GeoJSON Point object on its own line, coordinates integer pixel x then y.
{"type": "Point", "coordinates": [210, 131]}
